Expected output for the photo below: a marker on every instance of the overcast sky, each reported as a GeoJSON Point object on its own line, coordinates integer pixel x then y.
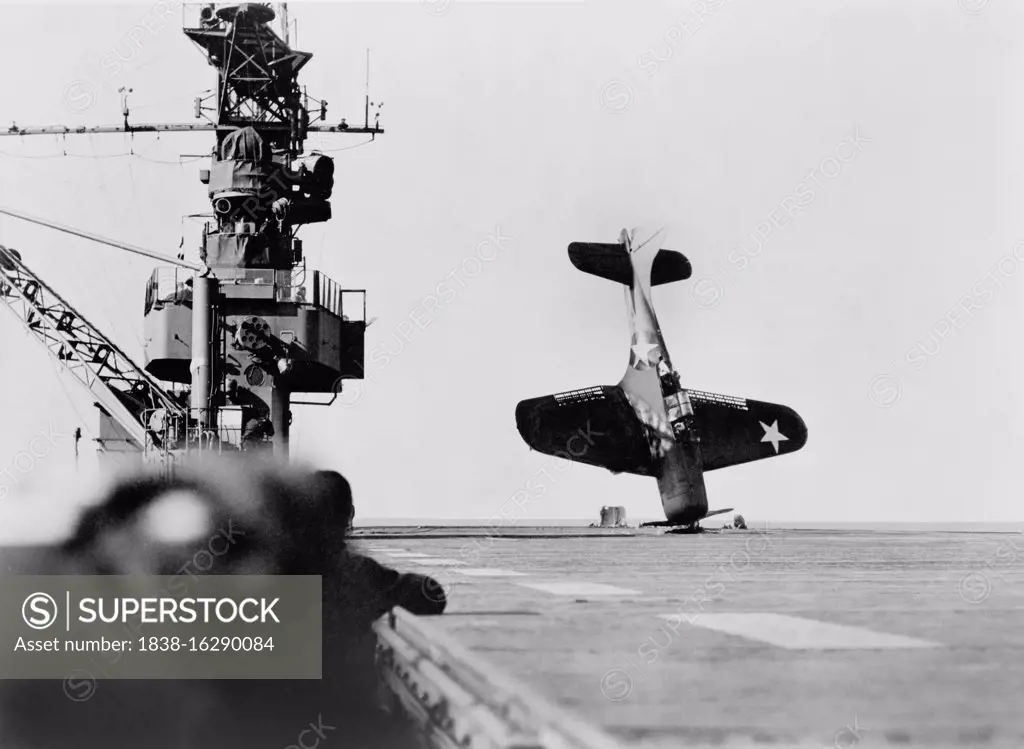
{"type": "Point", "coordinates": [845, 176]}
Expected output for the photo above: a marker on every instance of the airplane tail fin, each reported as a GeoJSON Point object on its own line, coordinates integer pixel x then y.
{"type": "Point", "coordinates": [652, 385]}
{"type": "Point", "coordinates": [648, 355]}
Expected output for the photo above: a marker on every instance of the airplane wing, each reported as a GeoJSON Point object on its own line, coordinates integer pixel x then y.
{"type": "Point", "coordinates": [600, 426]}
{"type": "Point", "coordinates": [596, 425]}
{"type": "Point", "coordinates": [737, 430]}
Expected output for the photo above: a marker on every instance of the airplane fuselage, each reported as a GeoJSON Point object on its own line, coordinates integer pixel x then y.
{"type": "Point", "coordinates": [681, 483]}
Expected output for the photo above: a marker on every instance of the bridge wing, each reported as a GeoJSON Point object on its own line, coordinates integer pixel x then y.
{"type": "Point", "coordinates": [595, 425]}
{"type": "Point", "coordinates": [738, 430]}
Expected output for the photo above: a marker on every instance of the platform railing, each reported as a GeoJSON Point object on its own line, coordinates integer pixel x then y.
{"type": "Point", "coordinates": [172, 285]}
{"type": "Point", "coordinates": [167, 285]}
{"type": "Point", "coordinates": [348, 304]}
{"type": "Point", "coordinates": [180, 437]}
{"type": "Point", "coordinates": [459, 700]}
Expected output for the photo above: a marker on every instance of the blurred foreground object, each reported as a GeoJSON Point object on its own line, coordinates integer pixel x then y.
{"type": "Point", "coordinates": [283, 520]}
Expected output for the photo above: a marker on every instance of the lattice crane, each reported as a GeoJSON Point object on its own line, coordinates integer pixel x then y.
{"type": "Point", "coordinates": [129, 395]}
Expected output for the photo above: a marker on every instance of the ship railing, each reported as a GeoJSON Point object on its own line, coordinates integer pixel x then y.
{"type": "Point", "coordinates": [348, 304]}
{"type": "Point", "coordinates": [316, 288]}
{"type": "Point", "coordinates": [172, 435]}
{"type": "Point", "coordinates": [460, 700]}
{"type": "Point", "coordinates": [170, 285]}
{"type": "Point", "coordinates": [167, 285]}
{"type": "Point", "coordinates": [224, 434]}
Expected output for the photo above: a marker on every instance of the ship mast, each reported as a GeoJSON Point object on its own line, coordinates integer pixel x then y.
{"type": "Point", "coordinates": [262, 188]}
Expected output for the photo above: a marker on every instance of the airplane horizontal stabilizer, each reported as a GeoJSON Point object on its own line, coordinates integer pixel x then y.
{"type": "Point", "coordinates": [674, 524]}
{"type": "Point", "coordinates": [611, 261]}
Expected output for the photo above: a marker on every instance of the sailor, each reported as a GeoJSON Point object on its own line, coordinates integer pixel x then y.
{"type": "Point", "coordinates": [338, 487]}
{"type": "Point", "coordinates": [256, 429]}
{"type": "Point", "coordinates": [256, 424]}
{"type": "Point", "coordinates": [418, 594]}
{"type": "Point", "coordinates": [184, 292]}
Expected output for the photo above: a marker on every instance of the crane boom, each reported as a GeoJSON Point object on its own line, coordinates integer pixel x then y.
{"type": "Point", "coordinates": [123, 389]}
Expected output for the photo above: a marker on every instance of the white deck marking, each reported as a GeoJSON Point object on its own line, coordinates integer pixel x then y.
{"type": "Point", "coordinates": [406, 554]}
{"type": "Point", "coordinates": [581, 589]}
{"type": "Point", "coordinates": [489, 572]}
{"type": "Point", "coordinates": [437, 562]}
{"type": "Point", "coordinates": [795, 633]}
{"type": "Point", "coordinates": [382, 549]}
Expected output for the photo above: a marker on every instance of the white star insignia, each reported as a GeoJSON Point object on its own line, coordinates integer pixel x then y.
{"type": "Point", "coordinates": [642, 352]}
{"type": "Point", "coordinates": [773, 435]}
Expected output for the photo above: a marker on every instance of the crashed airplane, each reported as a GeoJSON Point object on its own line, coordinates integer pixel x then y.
{"type": "Point", "coordinates": [649, 424]}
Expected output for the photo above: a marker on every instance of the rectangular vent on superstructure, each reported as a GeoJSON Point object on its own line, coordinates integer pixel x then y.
{"type": "Point", "coordinates": [700, 396]}
{"type": "Point", "coordinates": [579, 396]}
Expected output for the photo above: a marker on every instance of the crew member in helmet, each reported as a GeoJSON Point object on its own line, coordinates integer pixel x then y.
{"type": "Point", "coordinates": [418, 594]}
